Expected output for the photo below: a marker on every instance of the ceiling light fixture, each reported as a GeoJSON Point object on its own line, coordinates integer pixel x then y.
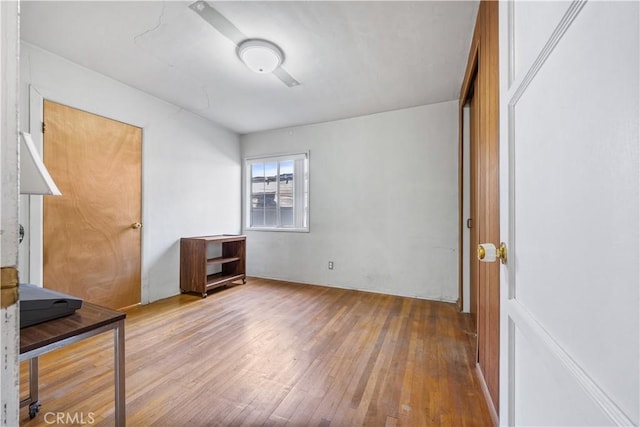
{"type": "Point", "coordinates": [260, 56]}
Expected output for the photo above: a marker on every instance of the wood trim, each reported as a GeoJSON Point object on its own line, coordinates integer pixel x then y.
{"type": "Point", "coordinates": [487, 396]}
{"type": "Point", "coordinates": [472, 64]}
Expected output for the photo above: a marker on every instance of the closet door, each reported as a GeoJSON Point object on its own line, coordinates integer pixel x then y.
{"type": "Point", "coordinates": [481, 91]}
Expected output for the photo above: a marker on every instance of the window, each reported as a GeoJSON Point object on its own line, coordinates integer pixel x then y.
{"type": "Point", "coordinates": [277, 193]}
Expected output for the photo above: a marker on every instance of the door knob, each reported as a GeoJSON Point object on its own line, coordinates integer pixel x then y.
{"type": "Point", "coordinates": [136, 225]}
{"type": "Point", "coordinates": [487, 252]}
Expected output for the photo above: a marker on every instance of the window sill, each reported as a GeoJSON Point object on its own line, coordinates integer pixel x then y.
{"type": "Point", "coordinates": [287, 230]}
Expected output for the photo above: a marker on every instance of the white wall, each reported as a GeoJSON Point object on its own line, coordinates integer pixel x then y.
{"type": "Point", "coordinates": [190, 166]}
{"type": "Point", "coordinates": [383, 204]}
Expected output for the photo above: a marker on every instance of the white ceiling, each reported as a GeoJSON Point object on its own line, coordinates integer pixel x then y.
{"type": "Point", "coordinates": [351, 58]}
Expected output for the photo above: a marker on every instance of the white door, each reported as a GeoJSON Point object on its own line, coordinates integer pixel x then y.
{"type": "Point", "coordinates": [570, 213]}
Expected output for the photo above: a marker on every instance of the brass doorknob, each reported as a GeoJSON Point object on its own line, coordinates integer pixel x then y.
{"type": "Point", "coordinates": [136, 225]}
{"type": "Point", "coordinates": [482, 253]}
{"type": "Point", "coordinates": [502, 253]}
{"type": "Point", "coordinates": [487, 252]}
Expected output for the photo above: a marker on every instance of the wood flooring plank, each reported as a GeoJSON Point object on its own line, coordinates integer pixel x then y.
{"type": "Point", "coordinates": [273, 353]}
{"type": "Point", "coordinates": [381, 404]}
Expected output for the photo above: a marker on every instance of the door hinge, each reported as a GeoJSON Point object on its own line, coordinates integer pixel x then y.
{"type": "Point", "coordinates": [469, 223]}
{"type": "Point", "coordinates": [43, 127]}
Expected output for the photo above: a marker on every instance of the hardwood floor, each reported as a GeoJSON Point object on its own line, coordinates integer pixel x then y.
{"type": "Point", "coordinates": [272, 353]}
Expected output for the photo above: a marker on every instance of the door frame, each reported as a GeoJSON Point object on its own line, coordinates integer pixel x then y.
{"type": "Point", "coordinates": [9, 194]}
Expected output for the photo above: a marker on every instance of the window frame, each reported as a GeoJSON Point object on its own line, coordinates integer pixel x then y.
{"type": "Point", "coordinates": [303, 192]}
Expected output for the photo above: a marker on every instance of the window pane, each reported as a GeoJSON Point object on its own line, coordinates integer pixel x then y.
{"type": "Point", "coordinates": [269, 192]}
{"type": "Point", "coordinates": [286, 187]}
{"type": "Point", "coordinates": [263, 194]}
{"type": "Point", "coordinates": [257, 194]}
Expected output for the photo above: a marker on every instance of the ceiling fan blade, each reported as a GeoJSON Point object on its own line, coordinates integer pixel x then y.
{"type": "Point", "coordinates": [230, 31]}
{"type": "Point", "coordinates": [285, 77]}
{"type": "Point", "coordinates": [218, 21]}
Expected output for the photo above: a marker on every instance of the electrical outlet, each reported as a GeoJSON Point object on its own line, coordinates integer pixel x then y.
{"type": "Point", "coordinates": [330, 265]}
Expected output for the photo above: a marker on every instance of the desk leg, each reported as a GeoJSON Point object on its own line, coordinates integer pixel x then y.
{"type": "Point", "coordinates": [120, 398]}
{"type": "Point", "coordinates": [34, 404]}
{"type": "Point", "coordinates": [33, 379]}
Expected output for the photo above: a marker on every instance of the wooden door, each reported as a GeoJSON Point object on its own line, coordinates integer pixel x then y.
{"type": "Point", "coordinates": [570, 168]}
{"type": "Point", "coordinates": [481, 84]}
{"type": "Point", "coordinates": [91, 243]}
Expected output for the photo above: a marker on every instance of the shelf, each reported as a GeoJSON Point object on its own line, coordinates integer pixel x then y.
{"type": "Point", "coordinates": [194, 263]}
{"type": "Point", "coordinates": [214, 280]}
{"type": "Point", "coordinates": [220, 238]}
{"type": "Point", "coordinates": [222, 260]}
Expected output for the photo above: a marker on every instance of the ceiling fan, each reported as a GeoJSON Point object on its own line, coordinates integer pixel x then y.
{"type": "Point", "coordinates": [261, 56]}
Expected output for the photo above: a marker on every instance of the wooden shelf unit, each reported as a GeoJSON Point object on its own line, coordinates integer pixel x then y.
{"type": "Point", "coordinates": [194, 262]}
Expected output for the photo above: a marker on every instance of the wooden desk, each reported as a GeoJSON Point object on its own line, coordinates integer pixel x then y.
{"type": "Point", "coordinates": [86, 322]}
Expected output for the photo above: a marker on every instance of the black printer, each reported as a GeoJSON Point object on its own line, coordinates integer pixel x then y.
{"type": "Point", "coordinates": [38, 305]}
